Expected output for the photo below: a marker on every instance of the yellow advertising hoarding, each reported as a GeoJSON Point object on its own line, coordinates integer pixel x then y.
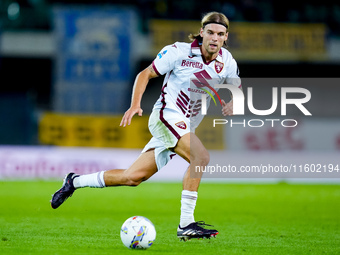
{"type": "Point", "coordinates": [253, 41]}
{"type": "Point", "coordinates": [92, 131]}
{"type": "Point", "coordinates": [104, 131]}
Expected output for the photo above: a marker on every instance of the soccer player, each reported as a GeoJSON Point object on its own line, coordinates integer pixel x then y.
{"type": "Point", "coordinates": [188, 68]}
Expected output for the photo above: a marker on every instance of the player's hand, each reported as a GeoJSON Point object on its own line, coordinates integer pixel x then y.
{"type": "Point", "coordinates": [126, 120]}
{"type": "Point", "coordinates": [227, 108]}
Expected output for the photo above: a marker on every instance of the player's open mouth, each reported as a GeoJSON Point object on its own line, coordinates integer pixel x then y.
{"type": "Point", "coordinates": [213, 45]}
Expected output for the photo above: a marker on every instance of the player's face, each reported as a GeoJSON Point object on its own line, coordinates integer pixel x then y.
{"type": "Point", "coordinates": [213, 36]}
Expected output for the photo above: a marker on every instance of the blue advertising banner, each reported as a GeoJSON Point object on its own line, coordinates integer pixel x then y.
{"type": "Point", "coordinates": [93, 72]}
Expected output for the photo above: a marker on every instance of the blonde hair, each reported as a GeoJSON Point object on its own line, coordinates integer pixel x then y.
{"type": "Point", "coordinates": [211, 17]}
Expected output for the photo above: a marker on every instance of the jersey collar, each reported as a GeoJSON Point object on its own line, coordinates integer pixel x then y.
{"type": "Point", "coordinates": [196, 50]}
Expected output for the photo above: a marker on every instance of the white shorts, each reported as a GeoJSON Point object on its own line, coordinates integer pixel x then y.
{"type": "Point", "coordinates": [166, 127]}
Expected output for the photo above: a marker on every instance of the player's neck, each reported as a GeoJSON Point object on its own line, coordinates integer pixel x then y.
{"type": "Point", "coordinates": [207, 57]}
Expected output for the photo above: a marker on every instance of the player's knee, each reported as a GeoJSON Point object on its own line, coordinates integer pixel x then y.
{"type": "Point", "coordinates": [133, 183]}
{"type": "Point", "coordinates": [203, 159]}
{"type": "Point", "coordinates": [135, 179]}
{"type": "Point", "coordinates": [206, 158]}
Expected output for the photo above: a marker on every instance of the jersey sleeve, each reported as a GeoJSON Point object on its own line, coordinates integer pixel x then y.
{"type": "Point", "coordinates": [233, 75]}
{"type": "Point", "coordinates": [165, 59]}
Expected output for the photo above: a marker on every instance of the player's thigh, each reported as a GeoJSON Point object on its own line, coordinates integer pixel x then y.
{"type": "Point", "coordinates": [191, 148]}
{"type": "Point", "coordinates": [144, 166]}
{"type": "Point", "coordinates": [168, 126]}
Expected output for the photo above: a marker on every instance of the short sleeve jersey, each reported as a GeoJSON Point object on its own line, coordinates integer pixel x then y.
{"type": "Point", "coordinates": [186, 71]}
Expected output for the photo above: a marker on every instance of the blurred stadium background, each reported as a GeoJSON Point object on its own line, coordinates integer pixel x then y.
{"type": "Point", "coordinates": [67, 70]}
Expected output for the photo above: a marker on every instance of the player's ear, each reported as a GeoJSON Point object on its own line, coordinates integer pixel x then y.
{"type": "Point", "coordinates": [226, 36]}
{"type": "Point", "coordinates": [201, 32]}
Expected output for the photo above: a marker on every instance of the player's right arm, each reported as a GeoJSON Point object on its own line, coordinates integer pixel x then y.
{"type": "Point", "coordinates": [141, 81]}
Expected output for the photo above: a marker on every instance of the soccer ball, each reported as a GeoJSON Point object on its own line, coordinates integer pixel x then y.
{"type": "Point", "coordinates": [138, 232]}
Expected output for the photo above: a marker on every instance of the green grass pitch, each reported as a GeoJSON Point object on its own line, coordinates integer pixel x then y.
{"type": "Point", "coordinates": [252, 219]}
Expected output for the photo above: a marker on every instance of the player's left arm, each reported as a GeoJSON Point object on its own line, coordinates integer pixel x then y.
{"type": "Point", "coordinates": [234, 79]}
{"type": "Point", "coordinates": [227, 108]}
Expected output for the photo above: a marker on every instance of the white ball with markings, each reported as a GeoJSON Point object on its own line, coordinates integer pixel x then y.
{"type": "Point", "coordinates": [138, 232]}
